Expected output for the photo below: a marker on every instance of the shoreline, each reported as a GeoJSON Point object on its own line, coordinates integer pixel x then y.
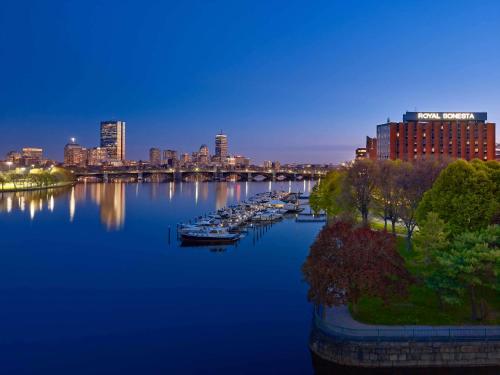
{"type": "Point", "coordinates": [35, 188]}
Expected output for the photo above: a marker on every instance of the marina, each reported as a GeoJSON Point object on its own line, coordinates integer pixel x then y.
{"type": "Point", "coordinates": [229, 224]}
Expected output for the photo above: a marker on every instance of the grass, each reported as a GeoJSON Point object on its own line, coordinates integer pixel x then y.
{"type": "Point", "coordinates": [421, 306]}
{"type": "Point", "coordinates": [378, 224]}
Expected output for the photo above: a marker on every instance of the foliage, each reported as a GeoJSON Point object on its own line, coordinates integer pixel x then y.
{"type": "Point", "coordinates": [464, 195]}
{"type": "Point", "coordinates": [346, 262]}
{"type": "Point", "coordinates": [412, 181]}
{"type": "Point", "coordinates": [326, 195]}
{"type": "Point", "coordinates": [35, 178]}
{"type": "Point", "coordinates": [472, 262]}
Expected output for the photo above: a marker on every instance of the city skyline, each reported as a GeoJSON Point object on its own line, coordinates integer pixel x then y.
{"type": "Point", "coordinates": [284, 84]}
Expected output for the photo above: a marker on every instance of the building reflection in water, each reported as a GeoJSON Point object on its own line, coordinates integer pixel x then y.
{"type": "Point", "coordinates": [196, 186]}
{"type": "Point", "coordinates": [111, 200]}
{"type": "Point", "coordinates": [72, 204]}
{"type": "Point", "coordinates": [171, 190]}
{"type": "Point", "coordinates": [220, 195]}
{"type": "Point", "coordinates": [34, 200]}
{"type": "Point", "coordinates": [204, 191]}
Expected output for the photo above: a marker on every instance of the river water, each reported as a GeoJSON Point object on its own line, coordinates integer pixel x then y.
{"type": "Point", "coordinates": [91, 283]}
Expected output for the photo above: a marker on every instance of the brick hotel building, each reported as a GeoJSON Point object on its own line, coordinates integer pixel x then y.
{"type": "Point", "coordinates": [465, 135]}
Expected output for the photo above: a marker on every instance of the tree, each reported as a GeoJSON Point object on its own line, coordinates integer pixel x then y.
{"type": "Point", "coordinates": [464, 197]}
{"type": "Point", "coordinates": [346, 262]}
{"type": "Point", "coordinates": [430, 240]}
{"type": "Point", "coordinates": [385, 192]}
{"type": "Point", "coordinates": [325, 195]}
{"type": "Point", "coordinates": [472, 262]}
{"type": "Point", "coordinates": [360, 183]}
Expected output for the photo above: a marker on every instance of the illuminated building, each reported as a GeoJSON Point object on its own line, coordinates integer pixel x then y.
{"type": "Point", "coordinates": [96, 156]}
{"type": "Point", "coordinates": [465, 135]}
{"type": "Point", "coordinates": [113, 139]}
{"type": "Point", "coordinates": [268, 164]}
{"type": "Point", "coordinates": [361, 153]}
{"type": "Point", "coordinates": [242, 161]}
{"type": "Point", "coordinates": [203, 155]}
{"type": "Point", "coordinates": [155, 156]}
{"type": "Point", "coordinates": [276, 165]}
{"type": "Point", "coordinates": [185, 158]}
{"type": "Point", "coordinates": [74, 154]}
{"type": "Point", "coordinates": [32, 155]}
{"type": "Point", "coordinates": [221, 149]}
{"type": "Point", "coordinates": [14, 157]}
{"type": "Point", "coordinates": [371, 148]}
{"type": "Point", "coordinates": [170, 158]}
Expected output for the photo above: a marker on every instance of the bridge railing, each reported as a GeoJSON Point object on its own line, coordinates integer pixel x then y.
{"type": "Point", "coordinates": [406, 333]}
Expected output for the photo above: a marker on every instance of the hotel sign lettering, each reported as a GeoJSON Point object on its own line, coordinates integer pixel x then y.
{"type": "Point", "coordinates": [445, 116]}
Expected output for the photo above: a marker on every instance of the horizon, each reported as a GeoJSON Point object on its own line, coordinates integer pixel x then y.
{"type": "Point", "coordinates": [303, 84]}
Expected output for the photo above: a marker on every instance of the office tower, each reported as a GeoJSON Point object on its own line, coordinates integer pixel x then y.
{"type": "Point", "coordinates": [221, 146]}
{"type": "Point", "coordinates": [113, 139]}
{"type": "Point", "coordinates": [155, 156]}
{"type": "Point", "coordinates": [74, 154]}
{"type": "Point", "coordinates": [268, 164]}
{"type": "Point", "coordinates": [96, 156]}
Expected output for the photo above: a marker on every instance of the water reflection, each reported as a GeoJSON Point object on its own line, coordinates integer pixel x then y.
{"type": "Point", "coordinates": [111, 200]}
{"type": "Point", "coordinates": [35, 200]}
{"type": "Point", "coordinates": [111, 197]}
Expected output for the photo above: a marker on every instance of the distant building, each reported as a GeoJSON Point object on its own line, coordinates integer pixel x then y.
{"type": "Point", "coordinates": [221, 147]}
{"type": "Point", "coordinates": [276, 165]}
{"type": "Point", "coordinates": [113, 140]}
{"type": "Point", "coordinates": [14, 157]}
{"type": "Point", "coordinates": [203, 155]}
{"type": "Point", "coordinates": [268, 164]}
{"type": "Point", "coordinates": [361, 153]}
{"type": "Point", "coordinates": [170, 158]}
{"type": "Point", "coordinates": [497, 152]}
{"type": "Point", "coordinates": [185, 158]}
{"type": "Point", "coordinates": [155, 156]}
{"type": "Point", "coordinates": [74, 154]}
{"type": "Point", "coordinates": [422, 135]}
{"type": "Point", "coordinates": [96, 156]}
{"type": "Point", "coordinates": [32, 156]}
{"type": "Point", "coordinates": [241, 161]}
{"type": "Point", "coordinates": [371, 148]}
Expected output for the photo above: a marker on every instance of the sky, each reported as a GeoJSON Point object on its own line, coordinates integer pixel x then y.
{"type": "Point", "coordinates": [295, 81]}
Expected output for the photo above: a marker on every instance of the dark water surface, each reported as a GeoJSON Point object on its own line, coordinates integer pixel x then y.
{"type": "Point", "coordinates": [89, 284]}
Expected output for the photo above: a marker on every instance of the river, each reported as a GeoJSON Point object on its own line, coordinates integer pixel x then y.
{"type": "Point", "coordinates": [91, 283]}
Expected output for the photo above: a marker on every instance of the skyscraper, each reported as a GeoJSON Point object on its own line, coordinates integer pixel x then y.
{"type": "Point", "coordinates": [221, 146]}
{"type": "Point", "coordinates": [113, 139]}
{"type": "Point", "coordinates": [155, 156]}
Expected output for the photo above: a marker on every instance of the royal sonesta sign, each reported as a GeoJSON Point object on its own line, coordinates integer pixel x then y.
{"type": "Point", "coordinates": [445, 116]}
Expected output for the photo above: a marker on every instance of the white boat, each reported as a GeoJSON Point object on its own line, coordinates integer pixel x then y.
{"type": "Point", "coordinates": [209, 235]}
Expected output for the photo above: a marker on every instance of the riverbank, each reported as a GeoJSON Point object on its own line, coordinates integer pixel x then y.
{"type": "Point", "coordinates": [338, 338]}
{"type": "Point", "coordinates": [34, 188]}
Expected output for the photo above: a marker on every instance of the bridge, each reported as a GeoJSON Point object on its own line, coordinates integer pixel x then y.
{"type": "Point", "coordinates": [198, 174]}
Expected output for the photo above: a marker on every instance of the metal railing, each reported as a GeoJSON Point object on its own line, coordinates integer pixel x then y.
{"type": "Point", "coordinates": [407, 333]}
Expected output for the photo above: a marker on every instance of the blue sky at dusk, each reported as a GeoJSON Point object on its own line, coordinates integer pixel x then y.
{"type": "Point", "coordinates": [296, 81]}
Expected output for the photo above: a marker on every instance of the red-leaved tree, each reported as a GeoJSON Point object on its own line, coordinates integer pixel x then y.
{"type": "Point", "coordinates": [346, 262]}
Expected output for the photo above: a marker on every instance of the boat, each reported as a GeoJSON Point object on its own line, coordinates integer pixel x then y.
{"type": "Point", "coordinates": [209, 236]}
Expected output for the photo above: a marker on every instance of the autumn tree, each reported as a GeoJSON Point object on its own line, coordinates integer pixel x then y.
{"type": "Point", "coordinates": [346, 262]}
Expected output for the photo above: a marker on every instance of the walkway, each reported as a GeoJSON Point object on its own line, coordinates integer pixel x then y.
{"type": "Point", "coordinates": [338, 321]}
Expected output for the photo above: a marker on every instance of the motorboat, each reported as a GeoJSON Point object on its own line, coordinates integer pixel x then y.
{"type": "Point", "coordinates": [209, 235]}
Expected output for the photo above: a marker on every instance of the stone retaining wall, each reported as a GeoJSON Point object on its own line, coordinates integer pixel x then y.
{"type": "Point", "coordinates": [404, 354]}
